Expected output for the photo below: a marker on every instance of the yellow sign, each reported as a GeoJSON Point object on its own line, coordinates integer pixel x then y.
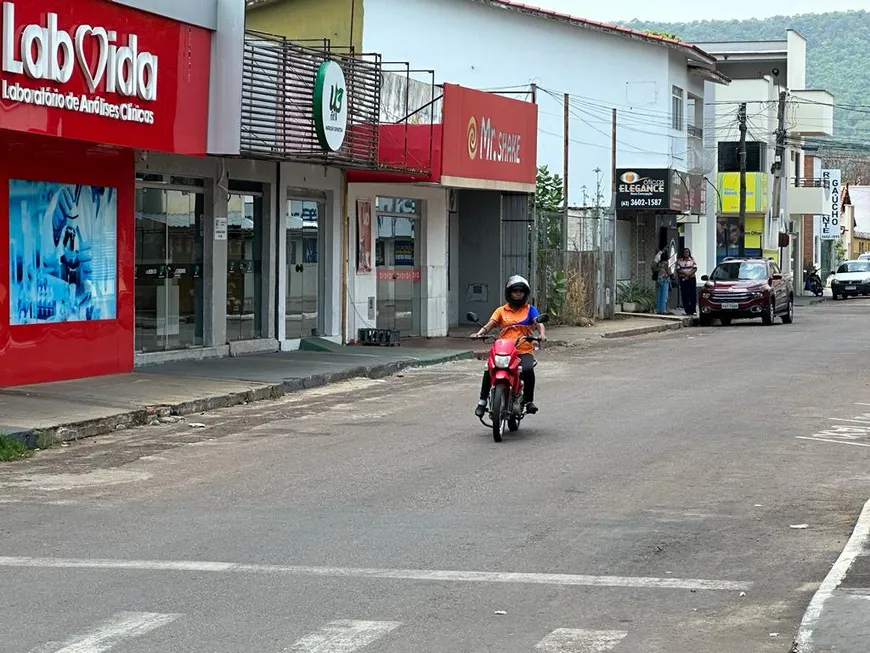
{"type": "Point", "coordinates": [753, 232]}
{"type": "Point", "coordinates": [756, 192]}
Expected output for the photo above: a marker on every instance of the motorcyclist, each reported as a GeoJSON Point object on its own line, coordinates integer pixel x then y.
{"type": "Point", "coordinates": [516, 318]}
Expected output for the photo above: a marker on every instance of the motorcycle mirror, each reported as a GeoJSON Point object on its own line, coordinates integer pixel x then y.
{"type": "Point", "coordinates": [705, 278]}
{"type": "Point", "coordinates": [543, 318]}
{"type": "Point", "coordinates": [471, 317]}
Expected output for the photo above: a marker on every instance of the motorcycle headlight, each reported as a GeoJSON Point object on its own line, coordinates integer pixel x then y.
{"type": "Point", "coordinates": [502, 362]}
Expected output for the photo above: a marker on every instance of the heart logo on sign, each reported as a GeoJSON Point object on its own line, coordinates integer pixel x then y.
{"type": "Point", "coordinates": [83, 33]}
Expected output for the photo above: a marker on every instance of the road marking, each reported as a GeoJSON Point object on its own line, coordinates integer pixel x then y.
{"type": "Point", "coordinates": [854, 421]}
{"type": "Point", "coordinates": [343, 637]}
{"type": "Point", "coordinates": [388, 574]}
{"type": "Point", "coordinates": [854, 444]}
{"type": "Point", "coordinates": [569, 640]}
{"type": "Point", "coordinates": [123, 626]}
{"type": "Point", "coordinates": [854, 547]}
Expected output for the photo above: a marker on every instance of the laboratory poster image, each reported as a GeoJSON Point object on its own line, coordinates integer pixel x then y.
{"type": "Point", "coordinates": [62, 252]}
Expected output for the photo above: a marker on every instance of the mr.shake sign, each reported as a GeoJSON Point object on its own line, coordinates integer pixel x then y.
{"type": "Point", "coordinates": [490, 141]}
{"type": "Point", "coordinates": [96, 70]}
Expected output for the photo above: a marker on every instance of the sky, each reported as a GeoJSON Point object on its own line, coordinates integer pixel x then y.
{"type": "Point", "coordinates": [671, 11]}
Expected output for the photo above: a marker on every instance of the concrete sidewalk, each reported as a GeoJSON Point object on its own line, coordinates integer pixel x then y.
{"type": "Point", "coordinates": [86, 407]}
{"type": "Point", "coordinates": [68, 410]}
{"type": "Point", "coordinates": [838, 617]}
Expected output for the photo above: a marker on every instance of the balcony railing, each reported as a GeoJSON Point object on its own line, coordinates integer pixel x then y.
{"type": "Point", "coordinates": [808, 182]}
{"type": "Point", "coordinates": [696, 132]}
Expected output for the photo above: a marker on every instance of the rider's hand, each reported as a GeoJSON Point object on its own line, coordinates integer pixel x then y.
{"type": "Point", "coordinates": [475, 336]}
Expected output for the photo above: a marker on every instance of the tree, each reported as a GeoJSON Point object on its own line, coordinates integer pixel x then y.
{"type": "Point", "coordinates": [549, 205]}
{"type": "Point", "coordinates": [548, 190]}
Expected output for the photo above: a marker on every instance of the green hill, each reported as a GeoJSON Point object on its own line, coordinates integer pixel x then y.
{"type": "Point", "coordinates": [837, 49]}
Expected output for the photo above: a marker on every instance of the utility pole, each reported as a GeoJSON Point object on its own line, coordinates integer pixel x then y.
{"type": "Point", "coordinates": [565, 174]}
{"type": "Point", "coordinates": [613, 209]}
{"type": "Point", "coordinates": [741, 120]}
{"type": "Point", "coordinates": [534, 233]}
{"type": "Point", "coordinates": [778, 167]}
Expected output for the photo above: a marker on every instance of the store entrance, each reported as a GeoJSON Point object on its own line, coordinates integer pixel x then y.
{"type": "Point", "coordinates": [303, 268]}
{"type": "Point", "coordinates": [169, 265]}
{"type": "Point", "coordinates": [397, 259]}
{"type": "Point", "coordinates": [245, 266]}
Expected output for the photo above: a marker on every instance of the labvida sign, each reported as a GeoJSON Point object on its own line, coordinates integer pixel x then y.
{"type": "Point", "coordinates": [52, 54]}
{"type": "Point", "coordinates": [640, 188]}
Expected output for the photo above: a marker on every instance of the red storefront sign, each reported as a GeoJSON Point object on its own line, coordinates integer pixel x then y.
{"type": "Point", "coordinates": [488, 137]}
{"type": "Point", "coordinates": [97, 71]}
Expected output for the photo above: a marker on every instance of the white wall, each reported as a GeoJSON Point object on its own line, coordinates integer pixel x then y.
{"type": "Point", "coordinates": [433, 266]}
{"type": "Point", "coordinates": [488, 48]}
{"type": "Point", "coordinates": [797, 60]}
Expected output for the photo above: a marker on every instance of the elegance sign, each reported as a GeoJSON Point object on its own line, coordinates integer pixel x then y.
{"type": "Point", "coordinates": [52, 55]}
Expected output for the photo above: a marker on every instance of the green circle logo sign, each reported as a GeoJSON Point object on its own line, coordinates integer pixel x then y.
{"type": "Point", "coordinates": [330, 106]}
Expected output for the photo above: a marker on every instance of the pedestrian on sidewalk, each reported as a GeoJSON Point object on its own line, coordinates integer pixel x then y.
{"type": "Point", "coordinates": [687, 268]}
{"type": "Point", "coordinates": [662, 276]}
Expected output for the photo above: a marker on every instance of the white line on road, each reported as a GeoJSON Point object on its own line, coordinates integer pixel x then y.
{"type": "Point", "coordinates": [570, 640]}
{"type": "Point", "coordinates": [854, 444]}
{"type": "Point", "coordinates": [343, 637]}
{"type": "Point", "coordinates": [389, 574]}
{"type": "Point", "coordinates": [123, 626]}
{"type": "Point", "coordinates": [854, 547]}
{"type": "Point", "coordinates": [853, 421]}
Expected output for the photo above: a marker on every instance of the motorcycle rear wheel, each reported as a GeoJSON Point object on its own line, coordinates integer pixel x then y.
{"type": "Point", "coordinates": [499, 401]}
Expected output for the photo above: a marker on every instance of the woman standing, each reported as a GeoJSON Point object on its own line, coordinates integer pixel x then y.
{"type": "Point", "coordinates": [663, 281]}
{"type": "Point", "coordinates": [686, 270]}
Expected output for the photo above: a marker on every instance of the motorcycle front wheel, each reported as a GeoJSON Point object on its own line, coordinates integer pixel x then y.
{"type": "Point", "coordinates": [499, 405]}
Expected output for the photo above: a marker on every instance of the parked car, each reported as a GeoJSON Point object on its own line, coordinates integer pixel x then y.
{"type": "Point", "coordinates": [864, 257]}
{"type": "Point", "coordinates": [741, 288]}
{"type": "Point", "coordinates": [851, 278]}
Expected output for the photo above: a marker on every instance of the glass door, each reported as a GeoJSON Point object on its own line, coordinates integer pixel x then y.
{"type": "Point", "coordinates": [303, 268]}
{"type": "Point", "coordinates": [398, 274]}
{"type": "Point", "coordinates": [168, 273]}
{"type": "Point", "coordinates": [244, 267]}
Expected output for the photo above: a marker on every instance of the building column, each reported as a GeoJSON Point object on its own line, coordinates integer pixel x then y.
{"type": "Point", "coordinates": [215, 263]}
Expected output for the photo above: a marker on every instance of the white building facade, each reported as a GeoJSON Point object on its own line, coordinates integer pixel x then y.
{"type": "Point", "coordinates": [761, 71]}
{"type": "Point", "coordinates": [656, 85]}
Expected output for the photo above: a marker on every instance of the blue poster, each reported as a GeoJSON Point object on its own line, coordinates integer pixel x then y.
{"type": "Point", "coordinates": [62, 252]}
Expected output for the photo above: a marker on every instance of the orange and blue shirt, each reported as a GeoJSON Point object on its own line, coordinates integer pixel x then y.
{"type": "Point", "coordinates": [517, 322]}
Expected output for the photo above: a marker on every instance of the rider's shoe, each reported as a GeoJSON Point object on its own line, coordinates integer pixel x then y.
{"type": "Point", "coordinates": [480, 410]}
{"type": "Point", "coordinates": [531, 409]}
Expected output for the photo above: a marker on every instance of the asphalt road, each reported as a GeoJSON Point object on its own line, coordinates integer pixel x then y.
{"type": "Point", "coordinates": [648, 508]}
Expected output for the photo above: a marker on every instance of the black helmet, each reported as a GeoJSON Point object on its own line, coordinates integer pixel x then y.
{"type": "Point", "coordinates": [514, 283]}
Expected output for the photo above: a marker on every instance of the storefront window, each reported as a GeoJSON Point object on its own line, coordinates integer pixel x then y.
{"type": "Point", "coordinates": [169, 257]}
{"type": "Point", "coordinates": [244, 267]}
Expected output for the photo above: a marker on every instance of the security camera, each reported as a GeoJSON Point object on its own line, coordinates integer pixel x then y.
{"type": "Point", "coordinates": [775, 72]}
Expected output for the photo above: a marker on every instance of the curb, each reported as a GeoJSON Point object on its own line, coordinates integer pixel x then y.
{"type": "Point", "coordinates": [854, 547]}
{"type": "Point", "coordinates": [43, 438]}
{"type": "Point", "coordinates": [642, 331]}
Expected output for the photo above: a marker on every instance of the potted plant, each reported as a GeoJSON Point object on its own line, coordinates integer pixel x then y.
{"type": "Point", "coordinates": [636, 298]}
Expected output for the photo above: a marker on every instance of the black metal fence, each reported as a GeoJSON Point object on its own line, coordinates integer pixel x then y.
{"type": "Point", "coordinates": [278, 82]}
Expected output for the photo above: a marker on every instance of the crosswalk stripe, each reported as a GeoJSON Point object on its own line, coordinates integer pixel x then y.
{"type": "Point", "coordinates": [123, 626]}
{"type": "Point", "coordinates": [575, 640]}
{"type": "Point", "coordinates": [343, 636]}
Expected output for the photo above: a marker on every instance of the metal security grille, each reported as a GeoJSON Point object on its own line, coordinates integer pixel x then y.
{"type": "Point", "coordinates": [278, 101]}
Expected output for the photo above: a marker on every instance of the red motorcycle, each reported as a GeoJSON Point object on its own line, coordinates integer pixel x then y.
{"type": "Point", "coordinates": [506, 405]}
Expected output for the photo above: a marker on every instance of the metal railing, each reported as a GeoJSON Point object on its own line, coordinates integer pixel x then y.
{"type": "Point", "coordinates": [804, 182]}
{"type": "Point", "coordinates": [278, 80]}
{"type": "Point", "coordinates": [696, 132]}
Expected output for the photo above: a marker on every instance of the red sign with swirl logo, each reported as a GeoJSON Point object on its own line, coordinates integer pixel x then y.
{"type": "Point", "coordinates": [489, 138]}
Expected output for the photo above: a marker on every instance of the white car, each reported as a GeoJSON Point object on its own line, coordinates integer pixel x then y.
{"type": "Point", "coordinates": [864, 257]}
{"type": "Point", "coordinates": [851, 278]}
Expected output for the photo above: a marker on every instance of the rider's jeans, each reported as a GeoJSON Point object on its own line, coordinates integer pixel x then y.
{"type": "Point", "coordinates": [527, 362]}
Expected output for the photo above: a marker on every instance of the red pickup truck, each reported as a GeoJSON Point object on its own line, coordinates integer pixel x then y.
{"type": "Point", "coordinates": [741, 288]}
